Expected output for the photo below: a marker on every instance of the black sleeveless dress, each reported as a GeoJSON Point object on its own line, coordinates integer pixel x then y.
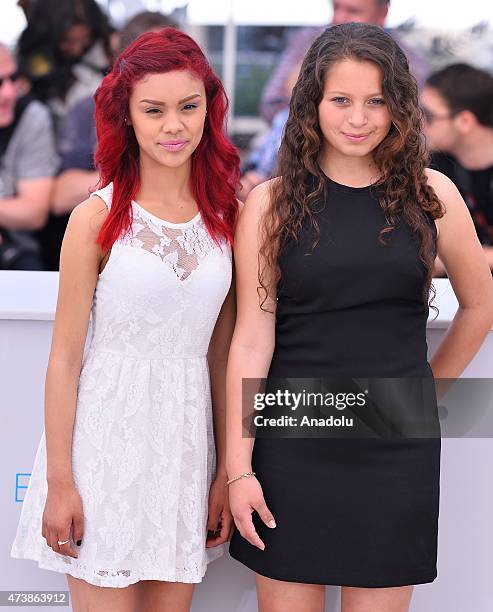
{"type": "Point", "coordinates": [351, 512]}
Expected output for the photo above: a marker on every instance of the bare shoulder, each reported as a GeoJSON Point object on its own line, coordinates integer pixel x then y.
{"type": "Point", "coordinates": [257, 202]}
{"type": "Point", "coordinates": [240, 205]}
{"type": "Point", "coordinates": [445, 188]}
{"type": "Point", "coordinates": [88, 217]}
{"type": "Point", "coordinates": [456, 223]}
{"type": "Point", "coordinates": [251, 216]}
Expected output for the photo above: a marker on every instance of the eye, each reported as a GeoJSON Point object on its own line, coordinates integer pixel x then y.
{"type": "Point", "coordinates": [340, 100]}
{"type": "Point", "coordinates": [152, 111]}
{"type": "Point", "coordinates": [189, 106]}
{"type": "Point", "coordinates": [377, 101]}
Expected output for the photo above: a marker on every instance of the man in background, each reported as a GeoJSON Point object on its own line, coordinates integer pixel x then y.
{"type": "Point", "coordinates": [28, 162]}
{"type": "Point", "coordinates": [457, 104]}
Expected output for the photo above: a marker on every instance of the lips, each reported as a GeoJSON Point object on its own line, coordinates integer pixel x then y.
{"type": "Point", "coordinates": [356, 137]}
{"type": "Point", "coordinates": [174, 145]}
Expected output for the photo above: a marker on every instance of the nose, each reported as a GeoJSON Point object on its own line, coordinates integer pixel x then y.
{"type": "Point", "coordinates": [172, 123]}
{"type": "Point", "coordinates": [357, 117]}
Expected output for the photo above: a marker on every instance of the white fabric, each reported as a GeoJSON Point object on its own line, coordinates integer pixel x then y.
{"type": "Point", "coordinates": [143, 454]}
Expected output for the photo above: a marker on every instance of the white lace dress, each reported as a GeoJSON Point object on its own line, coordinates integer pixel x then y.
{"type": "Point", "coordinates": [143, 453]}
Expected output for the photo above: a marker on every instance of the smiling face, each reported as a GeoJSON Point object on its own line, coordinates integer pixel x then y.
{"type": "Point", "coordinates": [167, 112]}
{"type": "Point", "coordinates": [353, 115]}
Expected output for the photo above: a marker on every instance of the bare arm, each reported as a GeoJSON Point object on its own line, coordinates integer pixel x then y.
{"type": "Point", "coordinates": [217, 357]}
{"type": "Point", "coordinates": [250, 355]}
{"type": "Point", "coordinates": [488, 251]}
{"type": "Point", "coordinates": [71, 187]}
{"type": "Point", "coordinates": [252, 345]}
{"type": "Point", "coordinates": [29, 209]}
{"type": "Point", "coordinates": [220, 520]}
{"type": "Point", "coordinates": [467, 268]}
{"type": "Point", "coordinates": [79, 267]}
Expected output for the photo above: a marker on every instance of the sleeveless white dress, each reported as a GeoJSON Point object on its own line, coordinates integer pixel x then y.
{"type": "Point", "coordinates": [143, 454]}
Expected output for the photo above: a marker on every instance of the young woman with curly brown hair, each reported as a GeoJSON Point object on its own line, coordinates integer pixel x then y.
{"type": "Point", "coordinates": [334, 262]}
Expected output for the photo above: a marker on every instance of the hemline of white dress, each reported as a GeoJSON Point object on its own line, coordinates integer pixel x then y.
{"type": "Point", "coordinates": [119, 579]}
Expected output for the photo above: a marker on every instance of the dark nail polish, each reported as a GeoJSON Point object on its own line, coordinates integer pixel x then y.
{"type": "Point", "coordinates": [79, 542]}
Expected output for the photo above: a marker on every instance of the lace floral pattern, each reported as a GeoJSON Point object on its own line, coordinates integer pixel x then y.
{"type": "Point", "coordinates": [180, 248]}
{"type": "Point", "coordinates": [143, 454]}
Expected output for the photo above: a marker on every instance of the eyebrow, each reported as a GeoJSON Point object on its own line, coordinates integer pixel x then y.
{"type": "Point", "coordinates": [159, 103]}
{"type": "Point", "coordinates": [346, 94]}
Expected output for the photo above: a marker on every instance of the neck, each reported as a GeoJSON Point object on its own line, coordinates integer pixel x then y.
{"type": "Point", "coordinates": [475, 150]}
{"type": "Point", "coordinates": [348, 170]}
{"type": "Point", "coordinates": [162, 185]}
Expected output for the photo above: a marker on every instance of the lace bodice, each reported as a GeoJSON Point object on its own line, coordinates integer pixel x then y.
{"type": "Point", "coordinates": [150, 297]}
{"type": "Point", "coordinates": [181, 248]}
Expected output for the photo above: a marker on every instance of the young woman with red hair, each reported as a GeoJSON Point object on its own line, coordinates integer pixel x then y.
{"type": "Point", "coordinates": [128, 487]}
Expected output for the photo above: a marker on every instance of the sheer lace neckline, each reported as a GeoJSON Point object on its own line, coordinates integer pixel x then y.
{"type": "Point", "coordinates": [161, 221]}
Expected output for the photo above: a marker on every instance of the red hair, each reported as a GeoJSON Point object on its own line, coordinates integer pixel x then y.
{"type": "Point", "coordinates": [215, 161]}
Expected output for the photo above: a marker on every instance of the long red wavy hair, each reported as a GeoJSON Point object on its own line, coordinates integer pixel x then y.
{"type": "Point", "coordinates": [215, 162]}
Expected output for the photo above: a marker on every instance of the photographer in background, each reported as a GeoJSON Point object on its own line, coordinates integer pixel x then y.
{"type": "Point", "coordinates": [28, 162]}
{"type": "Point", "coordinates": [64, 52]}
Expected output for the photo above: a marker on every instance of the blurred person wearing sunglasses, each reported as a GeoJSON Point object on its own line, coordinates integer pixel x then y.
{"type": "Point", "coordinates": [28, 162]}
{"type": "Point", "coordinates": [457, 105]}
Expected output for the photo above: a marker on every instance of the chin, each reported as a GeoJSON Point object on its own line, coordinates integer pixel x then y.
{"type": "Point", "coordinates": [174, 163]}
{"type": "Point", "coordinates": [357, 150]}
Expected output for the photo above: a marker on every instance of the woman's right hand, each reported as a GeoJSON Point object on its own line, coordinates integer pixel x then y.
{"type": "Point", "coordinates": [245, 496]}
{"type": "Point", "coordinates": [63, 513]}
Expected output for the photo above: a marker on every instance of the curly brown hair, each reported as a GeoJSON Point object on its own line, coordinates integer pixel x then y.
{"type": "Point", "coordinates": [401, 157]}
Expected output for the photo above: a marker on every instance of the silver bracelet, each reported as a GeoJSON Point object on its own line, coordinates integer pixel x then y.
{"type": "Point", "coordinates": [245, 475]}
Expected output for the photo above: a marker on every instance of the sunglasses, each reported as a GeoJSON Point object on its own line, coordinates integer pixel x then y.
{"type": "Point", "coordinates": [10, 77]}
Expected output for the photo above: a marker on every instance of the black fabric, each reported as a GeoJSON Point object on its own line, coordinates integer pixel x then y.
{"type": "Point", "coordinates": [476, 187]}
{"type": "Point", "coordinates": [50, 238]}
{"type": "Point", "coordinates": [349, 512]}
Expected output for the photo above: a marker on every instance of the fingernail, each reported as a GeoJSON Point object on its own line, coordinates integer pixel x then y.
{"type": "Point", "coordinates": [79, 542]}
{"type": "Point", "coordinates": [272, 523]}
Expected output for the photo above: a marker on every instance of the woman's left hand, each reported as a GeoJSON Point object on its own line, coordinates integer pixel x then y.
{"type": "Point", "coordinates": [220, 521]}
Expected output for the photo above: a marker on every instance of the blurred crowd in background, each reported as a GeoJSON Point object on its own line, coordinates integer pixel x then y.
{"type": "Point", "coordinates": [48, 136]}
